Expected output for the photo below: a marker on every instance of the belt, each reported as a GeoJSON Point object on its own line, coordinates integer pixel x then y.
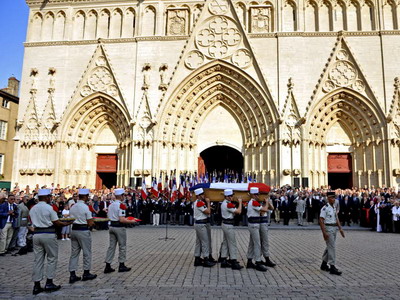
{"type": "Point", "coordinates": [263, 219]}
{"type": "Point", "coordinates": [117, 224]}
{"type": "Point", "coordinates": [80, 227]}
{"type": "Point", "coordinates": [204, 221]}
{"type": "Point", "coordinates": [50, 229]}
{"type": "Point", "coordinates": [228, 221]}
{"type": "Point", "coordinates": [331, 224]}
{"type": "Point", "coordinates": [254, 219]}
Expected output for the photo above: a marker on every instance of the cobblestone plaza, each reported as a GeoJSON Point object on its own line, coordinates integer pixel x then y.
{"type": "Point", "coordinates": [163, 269]}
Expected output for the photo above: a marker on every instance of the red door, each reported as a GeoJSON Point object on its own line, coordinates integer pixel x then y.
{"type": "Point", "coordinates": [340, 170]}
{"type": "Point", "coordinates": [106, 170]}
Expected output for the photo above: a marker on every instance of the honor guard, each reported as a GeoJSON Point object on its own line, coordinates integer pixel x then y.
{"type": "Point", "coordinates": [201, 213]}
{"type": "Point", "coordinates": [81, 238]}
{"type": "Point", "coordinates": [264, 219]}
{"type": "Point", "coordinates": [329, 223]}
{"type": "Point", "coordinates": [228, 246]}
{"type": "Point", "coordinates": [117, 231]}
{"type": "Point", "coordinates": [254, 209]}
{"type": "Point", "coordinates": [45, 244]}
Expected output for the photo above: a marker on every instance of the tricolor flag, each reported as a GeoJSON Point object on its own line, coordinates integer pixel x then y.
{"type": "Point", "coordinates": [154, 188]}
{"type": "Point", "coordinates": [235, 186]}
{"type": "Point", "coordinates": [144, 190]}
{"type": "Point", "coordinates": [174, 193]}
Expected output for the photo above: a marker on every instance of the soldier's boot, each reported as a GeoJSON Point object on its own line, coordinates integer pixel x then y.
{"type": "Point", "coordinates": [123, 268]}
{"type": "Point", "coordinates": [268, 262]}
{"type": "Point", "coordinates": [324, 266]}
{"type": "Point", "coordinates": [88, 276]}
{"type": "Point", "coordinates": [235, 265]}
{"type": "Point", "coordinates": [225, 263]}
{"type": "Point", "coordinates": [219, 259]}
{"type": "Point", "coordinates": [108, 268]}
{"type": "Point", "coordinates": [260, 266]}
{"type": "Point", "coordinates": [50, 286]}
{"type": "Point", "coordinates": [73, 278]}
{"type": "Point", "coordinates": [334, 271]}
{"type": "Point", "coordinates": [198, 261]}
{"type": "Point", "coordinates": [37, 289]}
{"type": "Point", "coordinates": [250, 264]}
{"type": "Point", "coordinates": [207, 263]}
{"type": "Point", "coordinates": [211, 259]}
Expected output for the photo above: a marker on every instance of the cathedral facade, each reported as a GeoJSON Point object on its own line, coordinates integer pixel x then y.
{"type": "Point", "coordinates": [306, 90]}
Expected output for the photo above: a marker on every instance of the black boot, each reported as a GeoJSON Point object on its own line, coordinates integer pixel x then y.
{"type": "Point", "coordinates": [220, 259]}
{"type": "Point", "coordinates": [207, 263]}
{"type": "Point", "coordinates": [50, 286]}
{"type": "Point", "coordinates": [260, 266]}
{"type": "Point", "coordinates": [123, 268]}
{"type": "Point", "coordinates": [268, 262]}
{"type": "Point", "coordinates": [73, 278]}
{"type": "Point", "coordinates": [108, 268]}
{"type": "Point", "coordinates": [225, 263]}
{"type": "Point", "coordinates": [211, 259]}
{"type": "Point", "coordinates": [88, 276]}
{"type": "Point", "coordinates": [198, 261]}
{"type": "Point", "coordinates": [235, 265]}
{"type": "Point", "coordinates": [250, 264]}
{"type": "Point", "coordinates": [37, 289]}
{"type": "Point", "coordinates": [324, 266]}
{"type": "Point", "coordinates": [334, 271]}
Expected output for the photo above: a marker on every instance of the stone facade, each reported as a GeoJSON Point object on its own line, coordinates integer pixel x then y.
{"type": "Point", "coordinates": [156, 82]}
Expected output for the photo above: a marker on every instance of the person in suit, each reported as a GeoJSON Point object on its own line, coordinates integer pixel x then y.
{"type": "Point", "coordinates": [285, 209]}
{"type": "Point", "coordinates": [300, 208]}
{"type": "Point", "coordinates": [8, 221]}
{"type": "Point", "coordinates": [345, 210]}
{"type": "Point", "coordinates": [310, 208]}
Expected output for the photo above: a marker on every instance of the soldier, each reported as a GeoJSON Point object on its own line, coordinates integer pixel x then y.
{"type": "Point", "coordinates": [201, 213]}
{"type": "Point", "coordinates": [254, 209]}
{"type": "Point", "coordinates": [45, 243]}
{"type": "Point", "coordinates": [264, 220]}
{"type": "Point", "coordinates": [116, 214]}
{"type": "Point", "coordinates": [228, 246]}
{"type": "Point", "coordinates": [329, 223]}
{"type": "Point", "coordinates": [81, 238]}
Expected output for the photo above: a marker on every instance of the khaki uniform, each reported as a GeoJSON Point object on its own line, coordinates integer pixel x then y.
{"type": "Point", "coordinates": [253, 215]}
{"type": "Point", "coordinates": [117, 233]}
{"type": "Point", "coordinates": [228, 246]}
{"type": "Point", "coordinates": [203, 230]}
{"type": "Point", "coordinates": [264, 236]}
{"type": "Point", "coordinates": [80, 237]}
{"type": "Point", "coordinates": [329, 214]}
{"type": "Point", "coordinates": [44, 240]}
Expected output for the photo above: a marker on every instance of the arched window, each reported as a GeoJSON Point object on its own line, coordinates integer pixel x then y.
{"type": "Point", "coordinates": [311, 15]}
{"type": "Point", "coordinates": [48, 25]}
{"type": "Point", "coordinates": [128, 24]}
{"type": "Point", "coordinates": [325, 17]}
{"type": "Point", "coordinates": [91, 25]}
{"type": "Point", "coordinates": [241, 12]}
{"type": "Point", "coordinates": [59, 26]}
{"type": "Point", "coordinates": [289, 16]}
{"type": "Point", "coordinates": [195, 14]}
{"type": "Point", "coordinates": [339, 16]}
{"type": "Point", "coordinates": [116, 24]}
{"type": "Point", "coordinates": [103, 26]}
{"type": "Point", "coordinates": [353, 16]}
{"type": "Point", "coordinates": [368, 16]}
{"type": "Point", "coordinates": [149, 21]}
{"type": "Point", "coordinates": [391, 15]}
{"type": "Point", "coordinates": [36, 27]}
{"type": "Point", "coordinates": [79, 25]}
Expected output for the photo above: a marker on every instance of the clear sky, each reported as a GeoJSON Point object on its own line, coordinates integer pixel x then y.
{"type": "Point", "coordinates": [13, 22]}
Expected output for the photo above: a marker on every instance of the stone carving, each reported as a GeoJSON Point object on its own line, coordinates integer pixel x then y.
{"type": "Point", "coordinates": [241, 58]}
{"type": "Point", "coordinates": [163, 77]}
{"type": "Point", "coordinates": [34, 79]}
{"type": "Point", "coordinates": [194, 59]}
{"type": "Point", "coordinates": [260, 19]}
{"type": "Point", "coordinates": [177, 21]}
{"type": "Point", "coordinates": [146, 76]}
{"type": "Point", "coordinates": [218, 7]}
{"type": "Point", "coordinates": [219, 39]}
{"type": "Point", "coordinates": [52, 72]}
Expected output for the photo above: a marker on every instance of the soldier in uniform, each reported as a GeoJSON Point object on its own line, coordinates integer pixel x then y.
{"type": "Point", "coordinates": [43, 219]}
{"type": "Point", "coordinates": [264, 220]}
{"type": "Point", "coordinates": [254, 210]}
{"type": "Point", "coordinates": [329, 223]}
{"type": "Point", "coordinates": [228, 246]}
{"type": "Point", "coordinates": [81, 238]}
{"type": "Point", "coordinates": [116, 214]}
{"type": "Point", "coordinates": [201, 213]}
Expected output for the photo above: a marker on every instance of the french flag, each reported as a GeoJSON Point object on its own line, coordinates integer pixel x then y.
{"type": "Point", "coordinates": [234, 186]}
{"type": "Point", "coordinates": [174, 192]}
{"type": "Point", "coordinates": [144, 190]}
{"type": "Point", "coordinates": [154, 188]}
{"type": "Point", "coordinates": [159, 184]}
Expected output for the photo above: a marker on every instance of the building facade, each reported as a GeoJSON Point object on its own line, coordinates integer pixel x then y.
{"type": "Point", "coordinates": [8, 119]}
{"type": "Point", "coordinates": [305, 90]}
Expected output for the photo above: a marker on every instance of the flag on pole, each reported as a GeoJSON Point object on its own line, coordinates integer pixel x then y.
{"type": "Point", "coordinates": [159, 184]}
{"type": "Point", "coordinates": [154, 188]}
{"type": "Point", "coordinates": [144, 190]}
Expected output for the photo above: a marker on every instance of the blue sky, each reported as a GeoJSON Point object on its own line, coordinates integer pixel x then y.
{"type": "Point", "coordinates": [13, 22]}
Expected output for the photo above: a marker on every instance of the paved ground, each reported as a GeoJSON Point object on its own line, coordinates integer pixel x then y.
{"type": "Point", "coordinates": [164, 269]}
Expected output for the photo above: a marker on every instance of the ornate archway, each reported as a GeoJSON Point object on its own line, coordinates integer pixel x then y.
{"type": "Point", "coordinates": [217, 83]}
{"type": "Point", "coordinates": [364, 123]}
{"type": "Point", "coordinates": [80, 131]}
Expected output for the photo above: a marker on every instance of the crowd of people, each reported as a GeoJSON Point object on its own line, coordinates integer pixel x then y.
{"type": "Point", "coordinates": [376, 208]}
